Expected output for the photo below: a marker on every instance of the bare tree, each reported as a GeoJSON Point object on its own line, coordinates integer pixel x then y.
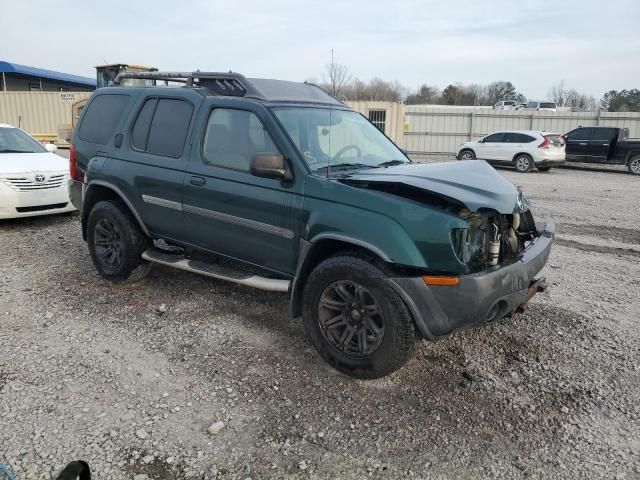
{"type": "Point", "coordinates": [338, 77]}
{"type": "Point", "coordinates": [582, 101]}
{"type": "Point", "coordinates": [558, 93]}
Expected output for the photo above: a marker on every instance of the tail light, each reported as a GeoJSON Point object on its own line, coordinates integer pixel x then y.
{"type": "Point", "coordinates": [545, 144]}
{"type": "Point", "coordinates": [74, 171]}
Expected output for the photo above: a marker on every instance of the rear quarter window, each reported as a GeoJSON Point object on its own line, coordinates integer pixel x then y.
{"type": "Point", "coordinates": [102, 115]}
{"type": "Point", "coordinates": [547, 105]}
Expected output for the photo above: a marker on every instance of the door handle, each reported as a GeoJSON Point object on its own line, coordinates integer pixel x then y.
{"type": "Point", "coordinates": [583, 144]}
{"type": "Point", "coordinates": [605, 144]}
{"type": "Point", "coordinates": [197, 181]}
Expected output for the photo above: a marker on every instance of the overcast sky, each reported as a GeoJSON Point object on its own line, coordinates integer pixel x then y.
{"type": "Point", "coordinates": [594, 45]}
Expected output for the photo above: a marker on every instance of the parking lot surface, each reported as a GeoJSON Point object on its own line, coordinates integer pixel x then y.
{"type": "Point", "coordinates": [180, 376]}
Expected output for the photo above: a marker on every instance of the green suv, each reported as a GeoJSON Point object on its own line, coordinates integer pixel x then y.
{"type": "Point", "coordinates": [279, 186]}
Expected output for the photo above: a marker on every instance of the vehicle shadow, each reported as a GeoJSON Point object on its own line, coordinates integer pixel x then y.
{"type": "Point", "coordinates": [40, 221]}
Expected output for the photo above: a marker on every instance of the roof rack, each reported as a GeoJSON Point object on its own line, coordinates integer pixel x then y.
{"type": "Point", "coordinates": [227, 84]}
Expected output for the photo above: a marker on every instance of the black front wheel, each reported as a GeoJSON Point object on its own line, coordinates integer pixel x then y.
{"type": "Point", "coordinates": [115, 241]}
{"type": "Point", "coordinates": [355, 320]}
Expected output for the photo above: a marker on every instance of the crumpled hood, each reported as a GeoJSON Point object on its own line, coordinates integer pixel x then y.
{"type": "Point", "coordinates": [472, 182]}
{"type": "Point", "coordinates": [12, 163]}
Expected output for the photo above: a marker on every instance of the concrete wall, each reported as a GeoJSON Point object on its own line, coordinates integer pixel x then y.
{"type": "Point", "coordinates": [442, 130]}
{"type": "Point", "coordinates": [395, 114]}
{"type": "Point", "coordinates": [40, 113]}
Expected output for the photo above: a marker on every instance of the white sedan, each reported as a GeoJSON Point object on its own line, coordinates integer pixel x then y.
{"type": "Point", "coordinates": [522, 149]}
{"type": "Point", "coordinates": [33, 180]}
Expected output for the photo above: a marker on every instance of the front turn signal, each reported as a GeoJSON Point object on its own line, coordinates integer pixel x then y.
{"type": "Point", "coordinates": [441, 280]}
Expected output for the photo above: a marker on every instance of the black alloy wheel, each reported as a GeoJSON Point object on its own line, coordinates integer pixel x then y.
{"type": "Point", "coordinates": [351, 319]}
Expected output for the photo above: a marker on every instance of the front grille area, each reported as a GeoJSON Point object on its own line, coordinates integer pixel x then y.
{"type": "Point", "coordinates": [29, 183]}
{"type": "Point", "coordinates": [39, 208]}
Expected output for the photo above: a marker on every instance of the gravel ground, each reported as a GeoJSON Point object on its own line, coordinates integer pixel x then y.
{"type": "Point", "coordinates": [181, 376]}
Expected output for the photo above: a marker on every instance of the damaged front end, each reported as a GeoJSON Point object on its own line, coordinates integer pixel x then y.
{"type": "Point", "coordinates": [492, 238]}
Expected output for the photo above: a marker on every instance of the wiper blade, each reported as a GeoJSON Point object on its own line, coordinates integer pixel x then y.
{"type": "Point", "coordinates": [344, 166]}
{"type": "Point", "coordinates": [391, 163]}
{"type": "Point", "coordinates": [9, 150]}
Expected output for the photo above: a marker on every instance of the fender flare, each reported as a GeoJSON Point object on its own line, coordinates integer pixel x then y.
{"type": "Point", "coordinates": [117, 191]}
{"type": "Point", "coordinates": [630, 155]}
{"type": "Point", "coordinates": [306, 246]}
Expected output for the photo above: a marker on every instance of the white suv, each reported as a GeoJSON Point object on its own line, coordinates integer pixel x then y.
{"type": "Point", "coordinates": [542, 106]}
{"type": "Point", "coordinates": [505, 105]}
{"type": "Point", "coordinates": [522, 149]}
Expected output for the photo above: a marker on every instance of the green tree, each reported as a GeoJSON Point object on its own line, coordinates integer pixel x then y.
{"type": "Point", "coordinates": [621, 101]}
{"type": "Point", "coordinates": [501, 90]}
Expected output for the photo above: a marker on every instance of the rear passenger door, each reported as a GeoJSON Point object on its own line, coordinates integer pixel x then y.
{"type": "Point", "coordinates": [517, 143]}
{"type": "Point", "coordinates": [577, 144]}
{"type": "Point", "coordinates": [156, 152]}
{"type": "Point", "coordinates": [600, 144]}
{"type": "Point", "coordinates": [229, 211]}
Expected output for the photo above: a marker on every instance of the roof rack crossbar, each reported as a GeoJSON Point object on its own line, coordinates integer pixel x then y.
{"type": "Point", "coordinates": [231, 84]}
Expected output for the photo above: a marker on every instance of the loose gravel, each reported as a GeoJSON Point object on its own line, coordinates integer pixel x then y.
{"type": "Point", "coordinates": [180, 376]}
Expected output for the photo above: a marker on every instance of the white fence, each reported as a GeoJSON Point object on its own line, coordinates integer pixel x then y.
{"type": "Point", "coordinates": [429, 130]}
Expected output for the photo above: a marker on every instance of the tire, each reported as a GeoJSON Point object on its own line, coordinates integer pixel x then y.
{"type": "Point", "coordinates": [523, 163]}
{"type": "Point", "coordinates": [544, 169]}
{"type": "Point", "coordinates": [116, 242]}
{"type": "Point", "coordinates": [634, 165]}
{"type": "Point", "coordinates": [374, 326]}
{"type": "Point", "coordinates": [467, 155]}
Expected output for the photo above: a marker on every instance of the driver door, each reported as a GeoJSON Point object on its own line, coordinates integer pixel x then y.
{"type": "Point", "coordinates": [229, 211]}
{"type": "Point", "coordinates": [491, 147]}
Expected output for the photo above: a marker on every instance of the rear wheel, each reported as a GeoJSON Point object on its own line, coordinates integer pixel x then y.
{"type": "Point", "coordinates": [116, 242]}
{"type": "Point", "coordinates": [355, 320]}
{"type": "Point", "coordinates": [523, 163]}
{"type": "Point", "coordinates": [544, 169]}
{"type": "Point", "coordinates": [467, 155]}
{"type": "Point", "coordinates": [634, 165]}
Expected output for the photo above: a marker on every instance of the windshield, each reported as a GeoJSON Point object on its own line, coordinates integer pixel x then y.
{"type": "Point", "coordinates": [338, 138]}
{"type": "Point", "coordinates": [14, 140]}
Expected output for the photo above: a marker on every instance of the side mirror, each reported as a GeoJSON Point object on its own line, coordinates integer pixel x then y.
{"type": "Point", "coordinates": [269, 165]}
{"type": "Point", "coordinates": [50, 147]}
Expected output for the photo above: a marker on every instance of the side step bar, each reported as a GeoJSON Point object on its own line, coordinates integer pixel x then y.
{"type": "Point", "coordinates": [216, 271]}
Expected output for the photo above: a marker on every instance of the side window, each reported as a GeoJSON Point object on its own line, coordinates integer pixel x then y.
{"type": "Point", "coordinates": [604, 134]}
{"type": "Point", "coordinates": [233, 137]}
{"type": "Point", "coordinates": [101, 117]}
{"type": "Point", "coordinates": [519, 138]}
{"type": "Point", "coordinates": [495, 138]}
{"type": "Point", "coordinates": [140, 131]}
{"type": "Point", "coordinates": [169, 127]}
{"type": "Point", "coordinates": [161, 127]}
{"type": "Point", "coordinates": [580, 134]}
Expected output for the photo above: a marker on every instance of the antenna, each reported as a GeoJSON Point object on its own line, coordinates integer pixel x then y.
{"type": "Point", "coordinates": [331, 79]}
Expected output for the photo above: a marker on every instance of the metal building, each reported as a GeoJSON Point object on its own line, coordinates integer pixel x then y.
{"type": "Point", "coordinates": [21, 78]}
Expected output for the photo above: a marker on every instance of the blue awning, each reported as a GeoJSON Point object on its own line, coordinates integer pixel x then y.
{"type": "Point", "coordinates": [6, 67]}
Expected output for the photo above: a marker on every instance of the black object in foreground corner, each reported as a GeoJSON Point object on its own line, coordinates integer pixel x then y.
{"type": "Point", "coordinates": [78, 469]}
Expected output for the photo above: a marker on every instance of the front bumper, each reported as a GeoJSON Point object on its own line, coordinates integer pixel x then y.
{"type": "Point", "coordinates": [479, 298]}
{"type": "Point", "coordinates": [18, 204]}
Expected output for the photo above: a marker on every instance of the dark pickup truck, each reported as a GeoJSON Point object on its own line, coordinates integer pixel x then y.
{"type": "Point", "coordinates": [603, 145]}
